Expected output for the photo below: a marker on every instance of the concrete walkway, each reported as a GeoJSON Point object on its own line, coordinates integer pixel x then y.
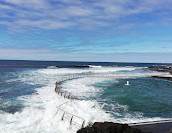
{"type": "Point", "coordinates": [155, 127]}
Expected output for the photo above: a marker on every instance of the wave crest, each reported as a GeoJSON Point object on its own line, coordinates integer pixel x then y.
{"type": "Point", "coordinates": [52, 67]}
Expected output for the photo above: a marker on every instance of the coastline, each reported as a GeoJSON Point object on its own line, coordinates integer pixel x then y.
{"type": "Point", "coordinates": [167, 68]}
{"type": "Point", "coordinates": [110, 127]}
{"type": "Point", "coordinates": [37, 76]}
{"type": "Point", "coordinates": [147, 127]}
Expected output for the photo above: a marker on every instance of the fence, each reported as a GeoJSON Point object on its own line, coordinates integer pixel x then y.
{"type": "Point", "coordinates": [63, 93]}
{"type": "Point", "coordinates": [74, 119]}
{"type": "Point", "coordinates": [78, 121]}
{"type": "Point", "coordinates": [151, 122]}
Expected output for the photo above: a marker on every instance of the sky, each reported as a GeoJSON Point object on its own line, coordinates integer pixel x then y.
{"type": "Point", "coordinates": [86, 30]}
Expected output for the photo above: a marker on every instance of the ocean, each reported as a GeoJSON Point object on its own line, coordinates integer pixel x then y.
{"type": "Point", "coordinates": [29, 104]}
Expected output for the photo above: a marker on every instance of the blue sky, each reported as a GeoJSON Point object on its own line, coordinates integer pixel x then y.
{"type": "Point", "coordinates": [86, 30]}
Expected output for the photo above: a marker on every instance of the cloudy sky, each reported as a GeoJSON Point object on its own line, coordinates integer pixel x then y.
{"type": "Point", "coordinates": [86, 30]}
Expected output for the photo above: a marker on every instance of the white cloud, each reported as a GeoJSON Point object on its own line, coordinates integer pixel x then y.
{"type": "Point", "coordinates": [28, 3]}
{"type": "Point", "coordinates": [42, 54]}
{"type": "Point", "coordinates": [44, 24]}
{"type": "Point", "coordinates": [19, 15]}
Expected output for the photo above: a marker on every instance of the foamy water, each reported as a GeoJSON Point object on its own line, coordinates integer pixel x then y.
{"type": "Point", "coordinates": [39, 114]}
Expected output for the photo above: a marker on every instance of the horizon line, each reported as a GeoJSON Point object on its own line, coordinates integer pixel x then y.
{"type": "Point", "coordinates": [81, 61]}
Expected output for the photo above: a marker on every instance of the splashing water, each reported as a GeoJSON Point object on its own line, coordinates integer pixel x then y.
{"type": "Point", "coordinates": [29, 103]}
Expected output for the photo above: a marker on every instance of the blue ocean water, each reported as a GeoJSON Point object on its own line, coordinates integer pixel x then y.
{"type": "Point", "coordinates": [11, 87]}
{"type": "Point", "coordinates": [151, 97]}
{"type": "Point", "coordinates": [27, 91]}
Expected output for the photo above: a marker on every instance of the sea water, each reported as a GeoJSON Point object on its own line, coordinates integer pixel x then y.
{"type": "Point", "coordinates": [28, 102]}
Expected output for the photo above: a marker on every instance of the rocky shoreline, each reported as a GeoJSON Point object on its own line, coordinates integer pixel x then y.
{"type": "Point", "coordinates": [167, 68]}
{"type": "Point", "coordinates": [109, 127]}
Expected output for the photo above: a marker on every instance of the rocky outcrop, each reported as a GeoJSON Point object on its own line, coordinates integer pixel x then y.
{"type": "Point", "coordinates": [170, 131]}
{"type": "Point", "coordinates": [162, 68]}
{"type": "Point", "coordinates": [161, 77]}
{"type": "Point", "coordinates": [109, 127]}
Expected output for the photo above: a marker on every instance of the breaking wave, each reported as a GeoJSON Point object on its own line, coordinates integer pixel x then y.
{"type": "Point", "coordinates": [40, 109]}
{"type": "Point", "coordinates": [52, 67]}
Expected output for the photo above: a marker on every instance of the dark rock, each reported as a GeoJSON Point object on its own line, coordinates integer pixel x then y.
{"type": "Point", "coordinates": [162, 69]}
{"type": "Point", "coordinates": [170, 131]}
{"type": "Point", "coordinates": [160, 77]}
{"type": "Point", "coordinates": [109, 127]}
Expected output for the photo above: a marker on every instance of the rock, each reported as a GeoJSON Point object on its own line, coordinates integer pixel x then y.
{"type": "Point", "coordinates": [161, 77]}
{"type": "Point", "coordinates": [161, 68]}
{"type": "Point", "coordinates": [170, 131]}
{"type": "Point", "coordinates": [109, 127]}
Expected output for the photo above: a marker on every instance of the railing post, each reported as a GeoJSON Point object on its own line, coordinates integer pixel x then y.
{"type": "Point", "coordinates": [69, 96]}
{"type": "Point", "coordinates": [63, 116]}
{"type": "Point", "coordinates": [56, 87]}
{"type": "Point", "coordinates": [71, 120]}
{"type": "Point", "coordinates": [83, 124]}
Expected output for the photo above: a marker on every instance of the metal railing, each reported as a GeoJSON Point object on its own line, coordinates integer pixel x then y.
{"type": "Point", "coordinates": [63, 93]}
{"type": "Point", "coordinates": [151, 122]}
{"type": "Point", "coordinates": [78, 121]}
{"type": "Point", "coordinates": [73, 119]}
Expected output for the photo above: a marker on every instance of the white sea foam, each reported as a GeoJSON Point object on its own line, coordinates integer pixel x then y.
{"type": "Point", "coordinates": [39, 113]}
{"type": "Point", "coordinates": [52, 67]}
{"type": "Point", "coordinates": [82, 87]}
{"type": "Point", "coordinates": [93, 66]}
{"type": "Point", "coordinates": [11, 80]}
{"type": "Point", "coordinates": [62, 71]}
